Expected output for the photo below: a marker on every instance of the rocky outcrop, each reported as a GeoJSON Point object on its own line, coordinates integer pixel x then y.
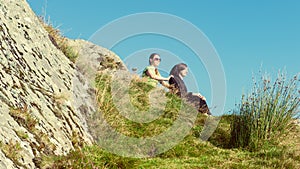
{"type": "Point", "coordinates": [43, 96]}
{"type": "Point", "coordinates": [93, 58]}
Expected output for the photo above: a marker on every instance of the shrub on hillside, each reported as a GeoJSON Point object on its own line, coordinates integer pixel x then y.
{"type": "Point", "coordinates": [266, 113]}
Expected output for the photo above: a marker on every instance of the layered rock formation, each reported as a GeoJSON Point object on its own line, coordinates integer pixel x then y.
{"type": "Point", "coordinates": [43, 96]}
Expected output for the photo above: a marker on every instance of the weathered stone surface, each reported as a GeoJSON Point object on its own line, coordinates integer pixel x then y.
{"type": "Point", "coordinates": [93, 58]}
{"type": "Point", "coordinates": [43, 96]}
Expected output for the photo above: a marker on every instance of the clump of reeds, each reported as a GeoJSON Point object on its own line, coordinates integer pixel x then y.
{"type": "Point", "coordinates": [266, 113]}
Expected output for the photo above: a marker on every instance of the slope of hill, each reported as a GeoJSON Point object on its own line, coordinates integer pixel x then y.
{"type": "Point", "coordinates": [48, 103]}
{"type": "Point", "coordinates": [43, 96]}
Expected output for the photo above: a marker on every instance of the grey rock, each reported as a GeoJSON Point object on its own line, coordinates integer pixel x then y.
{"type": "Point", "coordinates": [44, 97]}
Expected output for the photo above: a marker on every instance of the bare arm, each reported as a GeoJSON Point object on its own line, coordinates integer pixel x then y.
{"type": "Point", "coordinates": [152, 75]}
{"type": "Point", "coordinates": [167, 85]}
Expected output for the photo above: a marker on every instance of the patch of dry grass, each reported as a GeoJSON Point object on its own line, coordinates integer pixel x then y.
{"type": "Point", "coordinates": [59, 41]}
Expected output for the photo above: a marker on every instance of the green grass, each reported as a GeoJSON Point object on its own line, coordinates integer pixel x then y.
{"type": "Point", "coordinates": [191, 152]}
{"type": "Point", "coordinates": [140, 100]}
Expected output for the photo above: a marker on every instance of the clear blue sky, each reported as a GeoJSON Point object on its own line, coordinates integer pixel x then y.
{"type": "Point", "coordinates": [245, 34]}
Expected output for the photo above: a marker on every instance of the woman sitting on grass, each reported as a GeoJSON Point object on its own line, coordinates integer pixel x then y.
{"type": "Point", "coordinates": [140, 89]}
{"type": "Point", "coordinates": [178, 72]}
{"type": "Point", "coordinates": [152, 74]}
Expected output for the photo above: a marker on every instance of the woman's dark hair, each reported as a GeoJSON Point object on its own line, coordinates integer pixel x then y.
{"type": "Point", "coordinates": [177, 68]}
{"type": "Point", "coordinates": [152, 56]}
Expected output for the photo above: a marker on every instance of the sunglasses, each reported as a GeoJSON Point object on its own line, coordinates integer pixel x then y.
{"type": "Point", "coordinates": [157, 59]}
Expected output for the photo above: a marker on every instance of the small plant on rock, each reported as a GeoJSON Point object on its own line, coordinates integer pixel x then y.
{"type": "Point", "coordinates": [60, 41]}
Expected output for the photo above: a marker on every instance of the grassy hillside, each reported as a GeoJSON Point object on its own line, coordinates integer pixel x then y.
{"type": "Point", "coordinates": [190, 153]}
{"type": "Point", "coordinates": [258, 134]}
{"type": "Point", "coordinates": [279, 148]}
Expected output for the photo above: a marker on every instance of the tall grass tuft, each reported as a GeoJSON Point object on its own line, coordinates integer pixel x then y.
{"type": "Point", "coordinates": [266, 113]}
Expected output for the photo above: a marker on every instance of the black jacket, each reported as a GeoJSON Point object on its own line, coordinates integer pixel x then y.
{"type": "Point", "coordinates": [179, 87]}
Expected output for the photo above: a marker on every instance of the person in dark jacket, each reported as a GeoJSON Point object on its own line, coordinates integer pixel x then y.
{"type": "Point", "coordinates": [179, 71]}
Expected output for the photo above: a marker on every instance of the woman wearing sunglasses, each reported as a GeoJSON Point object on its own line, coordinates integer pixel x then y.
{"type": "Point", "coordinates": [152, 74]}
{"type": "Point", "coordinates": [179, 71]}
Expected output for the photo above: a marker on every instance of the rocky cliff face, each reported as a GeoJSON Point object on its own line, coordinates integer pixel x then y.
{"type": "Point", "coordinates": [43, 96]}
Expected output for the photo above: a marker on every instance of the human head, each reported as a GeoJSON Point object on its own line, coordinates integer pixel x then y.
{"type": "Point", "coordinates": [154, 59]}
{"type": "Point", "coordinates": [179, 70]}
